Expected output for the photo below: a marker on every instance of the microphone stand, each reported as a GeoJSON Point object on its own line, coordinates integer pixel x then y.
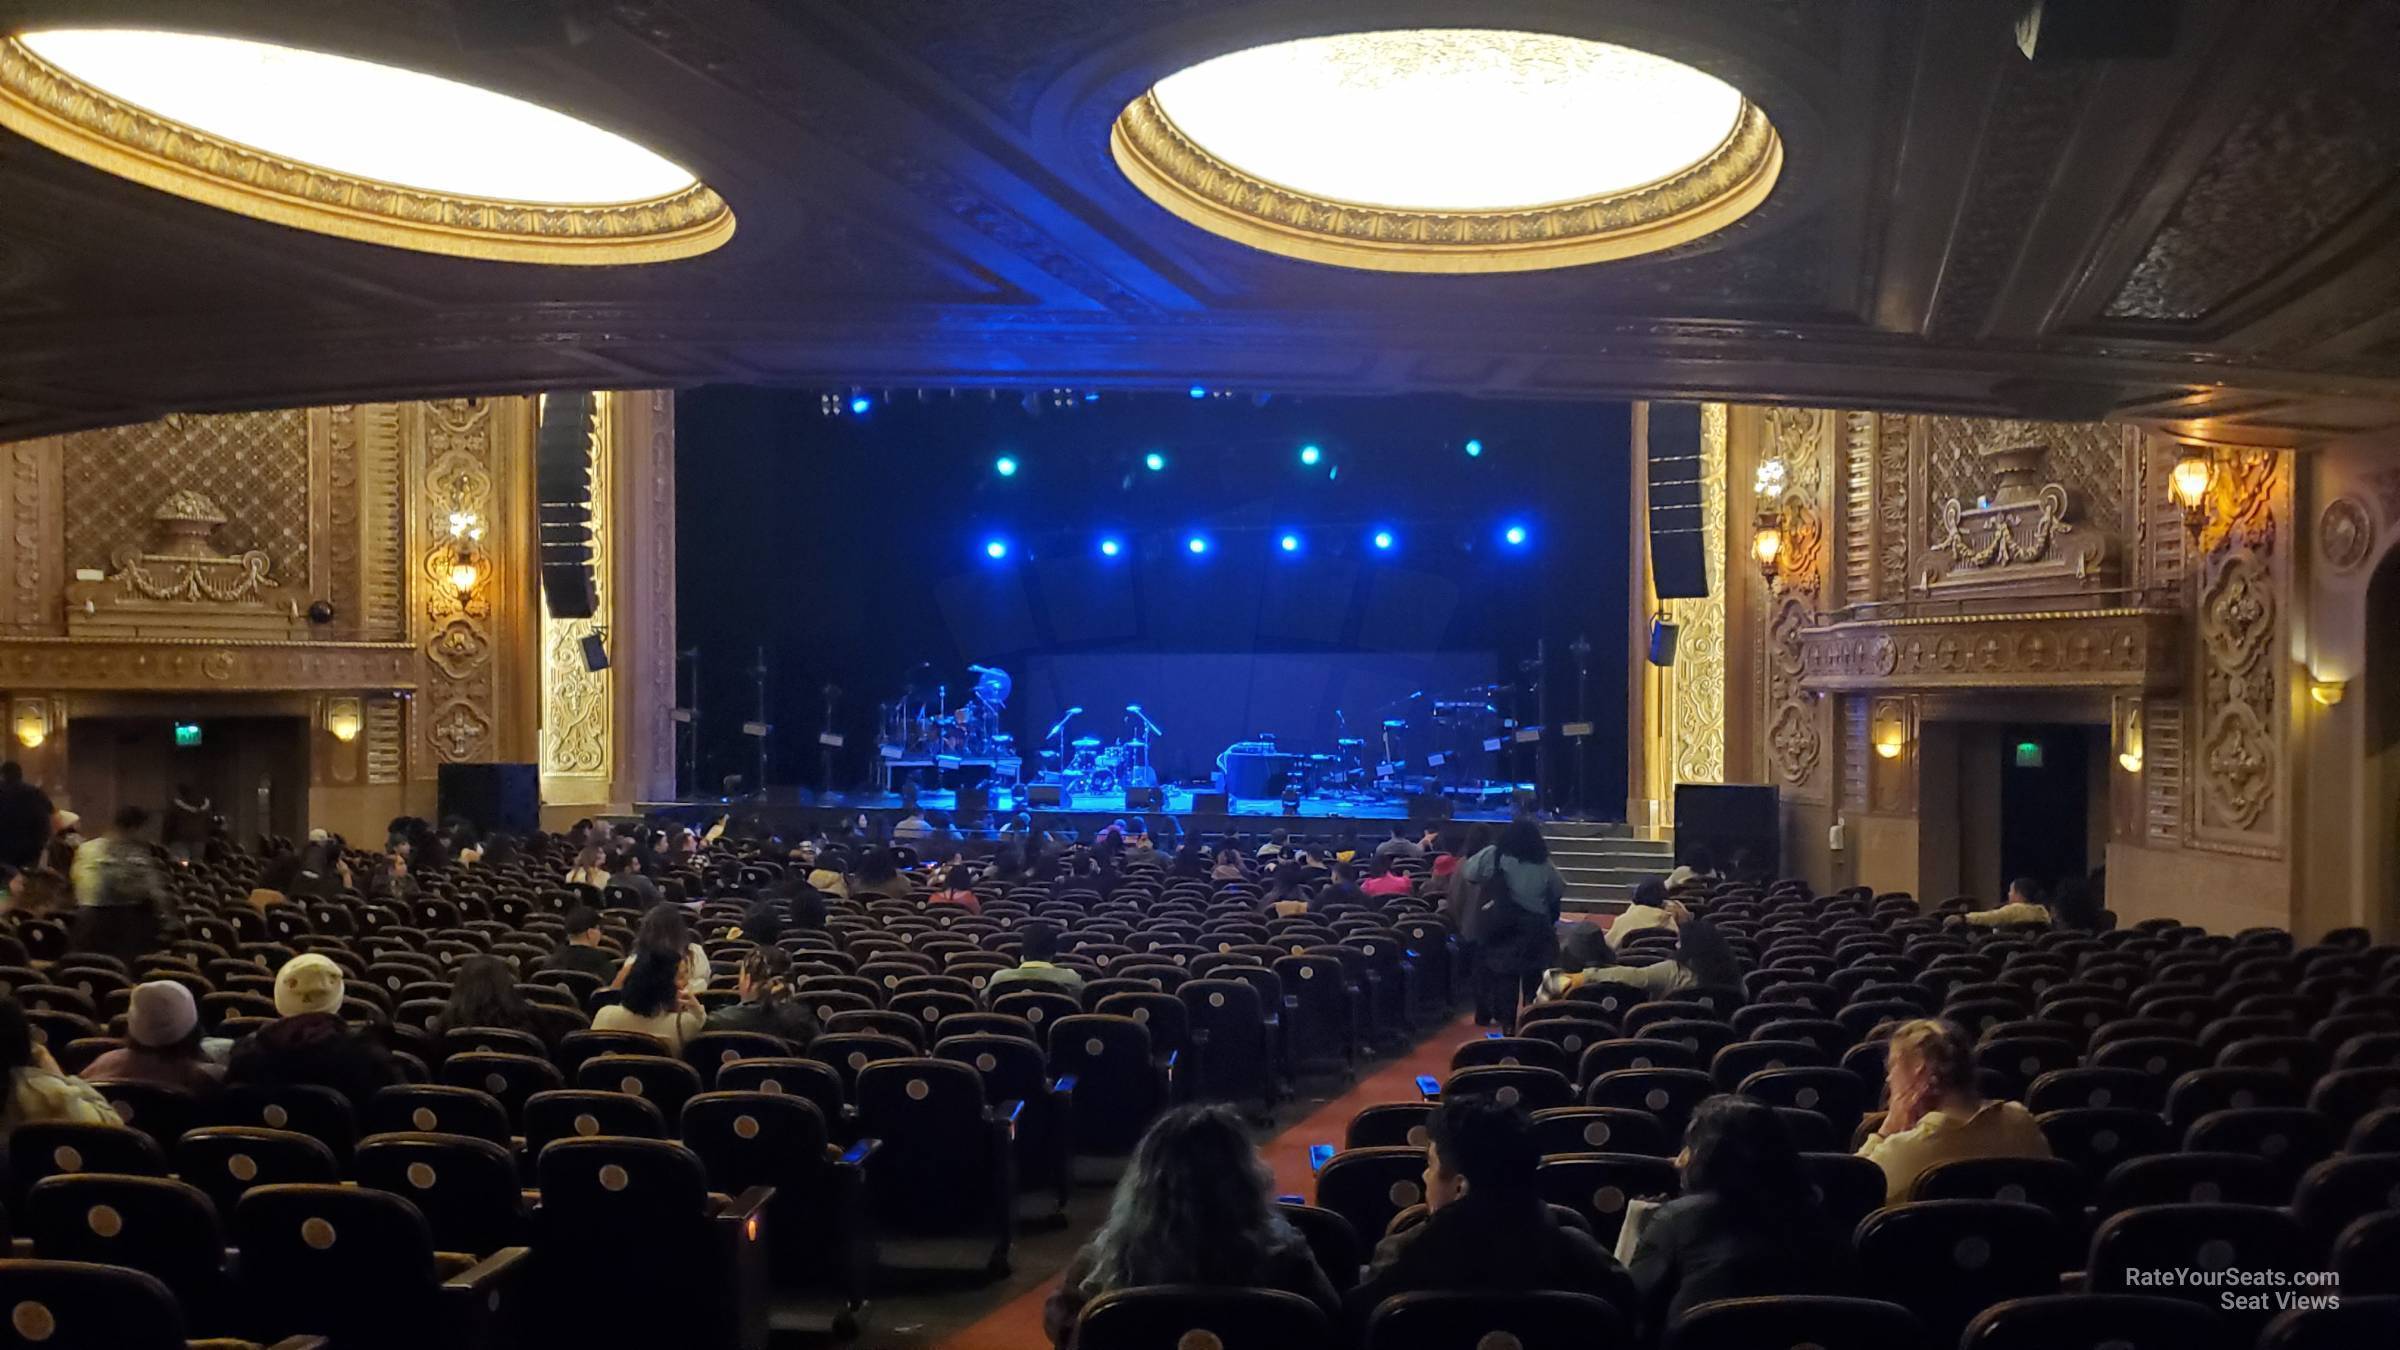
{"type": "Point", "coordinates": [1149, 729]}
{"type": "Point", "coordinates": [1582, 650]}
{"type": "Point", "coordinates": [832, 693]}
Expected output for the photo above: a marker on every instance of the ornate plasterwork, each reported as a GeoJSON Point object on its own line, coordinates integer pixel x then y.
{"type": "Point", "coordinates": [2086, 458]}
{"type": "Point", "coordinates": [459, 466]}
{"type": "Point", "coordinates": [2345, 534]}
{"type": "Point", "coordinates": [2132, 648]}
{"type": "Point", "coordinates": [2238, 758]}
{"type": "Point", "coordinates": [194, 664]}
{"type": "Point", "coordinates": [48, 106]}
{"type": "Point", "coordinates": [2028, 530]}
{"type": "Point", "coordinates": [1698, 753]}
{"type": "Point", "coordinates": [576, 705]}
{"type": "Point", "coordinates": [30, 526]}
{"type": "Point", "coordinates": [253, 466]}
{"type": "Point", "coordinates": [1186, 179]}
{"type": "Point", "coordinates": [1794, 743]}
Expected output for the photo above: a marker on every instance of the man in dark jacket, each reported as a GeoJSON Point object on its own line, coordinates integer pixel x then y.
{"type": "Point", "coordinates": [1489, 1230]}
{"type": "Point", "coordinates": [25, 815]}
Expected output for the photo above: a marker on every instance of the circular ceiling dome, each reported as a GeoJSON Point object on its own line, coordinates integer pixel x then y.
{"type": "Point", "coordinates": [1449, 149]}
{"type": "Point", "coordinates": [353, 148]}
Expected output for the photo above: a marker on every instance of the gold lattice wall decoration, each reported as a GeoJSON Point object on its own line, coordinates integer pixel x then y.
{"type": "Point", "coordinates": [252, 465]}
{"type": "Point", "coordinates": [1698, 753]}
{"type": "Point", "coordinates": [2086, 457]}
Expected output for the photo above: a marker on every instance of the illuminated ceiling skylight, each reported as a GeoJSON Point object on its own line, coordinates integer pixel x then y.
{"type": "Point", "coordinates": [352, 147]}
{"type": "Point", "coordinates": [1449, 149]}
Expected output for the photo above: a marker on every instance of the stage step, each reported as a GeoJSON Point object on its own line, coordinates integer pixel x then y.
{"type": "Point", "coordinates": [1602, 862]}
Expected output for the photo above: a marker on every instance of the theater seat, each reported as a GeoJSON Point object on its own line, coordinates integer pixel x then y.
{"type": "Point", "coordinates": [1789, 1322]}
{"type": "Point", "coordinates": [817, 1225]}
{"type": "Point", "coordinates": [54, 1304]}
{"type": "Point", "coordinates": [1947, 1260]}
{"type": "Point", "coordinates": [2097, 1322]}
{"type": "Point", "coordinates": [2249, 1238]}
{"type": "Point", "coordinates": [1367, 1186]}
{"type": "Point", "coordinates": [58, 1148]}
{"type": "Point", "coordinates": [1546, 1320]}
{"type": "Point", "coordinates": [225, 1161]}
{"type": "Point", "coordinates": [467, 1188]}
{"type": "Point", "coordinates": [708, 1249]}
{"type": "Point", "coordinates": [358, 1266]}
{"type": "Point", "coordinates": [2354, 1323]}
{"type": "Point", "coordinates": [948, 1160]}
{"type": "Point", "coordinates": [1194, 1315]}
{"type": "Point", "coordinates": [161, 1227]}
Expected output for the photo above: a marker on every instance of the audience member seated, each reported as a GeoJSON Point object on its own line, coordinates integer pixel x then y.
{"type": "Point", "coordinates": [664, 932]}
{"type": "Point", "coordinates": [2026, 904]}
{"type": "Point", "coordinates": [829, 873]}
{"type": "Point", "coordinates": [1382, 880]}
{"type": "Point", "coordinates": [1406, 842]}
{"type": "Point", "coordinates": [582, 950]}
{"type": "Point", "coordinates": [1700, 958]}
{"type": "Point", "coordinates": [654, 1001]}
{"type": "Point", "coordinates": [1936, 1115]}
{"type": "Point", "coordinates": [957, 888]}
{"type": "Point", "coordinates": [1488, 1229]}
{"type": "Point", "coordinates": [1195, 1207]}
{"type": "Point", "coordinates": [1692, 873]}
{"type": "Point", "coordinates": [590, 868]}
{"type": "Point", "coordinates": [39, 1092]}
{"type": "Point", "coordinates": [1339, 893]}
{"type": "Point", "coordinates": [1036, 967]}
{"type": "Point", "coordinates": [625, 876]}
{"type": "Point", "coordinates": [309, 1043]}
{"type": "Point", "coordinates": [1286, 896]}
{"type": "Point", "coordinates": [1229, 867]}
{"type": "Point", "coordinates": [1647, 909]}
{"type": "Point", "coordinates": [912, 825]}
{"type": "Point", "coordinates": [1748, 1222]}
{"type": "Point", "coordinates": [484, 994]}
{"type": "Point", "coordinates": [879, 878]}
{"type": "Point", "coordinates": [162, 1033]}
{"type": "Point", "coordinates": [766, 1001]}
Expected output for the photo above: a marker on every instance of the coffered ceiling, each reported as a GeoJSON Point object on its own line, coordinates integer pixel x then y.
{"type": "Point", "coordinates": [926, 198]}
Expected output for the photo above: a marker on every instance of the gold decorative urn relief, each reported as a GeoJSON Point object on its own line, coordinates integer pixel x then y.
{"type": "Point", "coordinates": [183, 584]}
{"type": "Point", "coordinates": [2028, 532]}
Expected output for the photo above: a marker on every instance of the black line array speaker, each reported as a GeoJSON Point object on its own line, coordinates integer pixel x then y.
{"type": "Point", "coordinates": [494, 796]}
{"type": "Point", "coordinates": [1678, 552]}
{"type": "Point", "coordinates": [1728, 824]}
{"type": "Point", "coordinates": [562, 487]}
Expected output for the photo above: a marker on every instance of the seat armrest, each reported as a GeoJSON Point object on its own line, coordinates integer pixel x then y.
{"type": "Point", "coordinates": [300, 1343]}
{"type": "Point", "coordinates": [747, 1206]}
{"type": "Point", "coordinates": [500, 1265]}
{"type": "Point", "coordinates": [858, 1153]}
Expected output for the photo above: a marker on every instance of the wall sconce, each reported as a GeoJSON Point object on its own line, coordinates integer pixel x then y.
{"type": "Point", "coordinates": [1766, 548]}
{"type": "Point", "coordinates": [31, 725]}
{"type": "Point", "coordinates": [466, 565]}
{"type": "Point", "coordinates": [2188, 483]}
{"type": "Point", "coordinates": [2129, 739]}
{"type": "Point", "coordinates": [1888, 732]}
{"type": "Point", "coordinates": [343, 719]}
{"type": "Point", "coordinates": [2328, 692]}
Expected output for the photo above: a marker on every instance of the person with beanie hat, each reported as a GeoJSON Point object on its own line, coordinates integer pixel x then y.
{"type": "Point", "coordinates": [308, 983]}
{"type": "Point", "coordinates": [162, 1031]}
{"type": "Point", "coordinates": [310, 1044]}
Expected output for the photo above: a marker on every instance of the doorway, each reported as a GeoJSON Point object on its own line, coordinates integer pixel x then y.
{"type": "Point", "coordinates": [253, 770]}
{"type": "Point", "coordinates": [2045, 802]}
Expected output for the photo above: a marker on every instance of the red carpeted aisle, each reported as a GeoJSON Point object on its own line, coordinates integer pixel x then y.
{"type": "Point", "coordinates": [1017, 1324]}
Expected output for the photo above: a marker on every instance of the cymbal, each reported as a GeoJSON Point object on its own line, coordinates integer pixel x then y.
{"type": "Point", "coordinates": [1349, 740]}
{"type": "Point", "coordinates": [1087, 742]}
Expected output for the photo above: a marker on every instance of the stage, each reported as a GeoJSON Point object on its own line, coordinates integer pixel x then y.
{"type": "Point", "coordinates": [1088, 812]}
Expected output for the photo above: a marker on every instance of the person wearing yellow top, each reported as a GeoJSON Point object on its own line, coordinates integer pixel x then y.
{"type": "Point", "coordinates": [1936, 1113]}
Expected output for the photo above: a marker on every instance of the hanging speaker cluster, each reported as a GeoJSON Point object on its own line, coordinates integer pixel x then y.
{"type": "Point", "coordinates": [562, 478]}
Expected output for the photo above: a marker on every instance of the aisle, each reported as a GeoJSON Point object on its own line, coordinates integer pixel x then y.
{"type": "Point", "coordinates": [1017, 1324]}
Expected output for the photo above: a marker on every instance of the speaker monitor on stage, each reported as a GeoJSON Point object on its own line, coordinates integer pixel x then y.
{"type": "Point", "coordinates": [1211, 804]}
{"type": "Point", "coordinates": [1139, 798]}
{"type": "Point", "coordinates": [1429, 806]}
{"type": "Point", "coordinates": [1729, 824]}
{"type": "Point", "coordinates": [972, 801]}
{"type": "Point", "coordinates": [493, 796]}
{"type": "Point", "coordinates": [1044, 794]}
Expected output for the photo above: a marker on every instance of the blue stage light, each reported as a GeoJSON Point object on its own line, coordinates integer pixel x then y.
{"type": "Point", "coordinates": [1199, 391]}
{"type": "Point", "coordinates": [1515, 535]}
{"type": "Point", "coordinates": [1154, 461]}
{"type": "Point", "coordinates": [1474, 449]}
{"type": "Point", "coordinates": [1310, 454]}
{"type": "Point", "coordinates": [860, 403]}
{"type": "Point", "coordinates": [1111, 546]}
{"type": "Point", "coordinates": [1290, 543]}
{"type": "Point", "coordinates": [1383, 540]}
{"type": "Point", "coordinates": [1005, 466]}
{"type": "Point", "coordinates": [995, 548]}
{"type": "Point", "coordinates": [1198, 544]}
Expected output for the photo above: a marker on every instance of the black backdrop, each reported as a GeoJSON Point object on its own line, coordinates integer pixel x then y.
{"type": "Point", "coordinates": [852, 548]}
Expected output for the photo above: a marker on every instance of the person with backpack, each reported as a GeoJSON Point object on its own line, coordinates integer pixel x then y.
{"type": "Point", "coordinates": [1512, 918]}
{"type": "Point", "coordinates": [121, 896]}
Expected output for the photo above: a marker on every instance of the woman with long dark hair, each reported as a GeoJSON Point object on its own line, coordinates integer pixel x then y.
{"type": "Point", "coordinates": [878, 875]}
{"type": "Point", "coordinates": [484, 994]}
{"type": "Point", "coordinates": [652, 1001]}
{"type": "Point", "coordinates": [1195, 1206]}
{"type": "Point", "coordinates": [1748, 1222]}
{"type": "Point", "coordinates": [665, 932]}
{"type": "Point", "coordinates": [1512, 917]}
{"type": "Point", "coordinates": [766, 1001]}
{"type": "Point", "coordinates": [1702, 958]}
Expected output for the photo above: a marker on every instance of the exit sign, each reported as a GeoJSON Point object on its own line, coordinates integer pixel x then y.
{"type": "Point", "coordinates": [2029, 754]}
{"type": "Point", "coordinates": [187, 735]}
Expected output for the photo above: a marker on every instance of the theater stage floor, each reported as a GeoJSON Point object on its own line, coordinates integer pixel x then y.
{"type": "Point", "coordinates": [1086, 812]}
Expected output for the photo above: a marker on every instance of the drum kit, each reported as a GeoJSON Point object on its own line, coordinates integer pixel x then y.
{"type": "Point", "coordinates": [1091, 764]}
{"type": "Point", "coordinates": [922, 723]}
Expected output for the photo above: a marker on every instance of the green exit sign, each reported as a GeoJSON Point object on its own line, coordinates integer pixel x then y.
{"type": "Point", "coordinates": [2029, 754]}
{"type": "Point", "coordinates": [187, 735]}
